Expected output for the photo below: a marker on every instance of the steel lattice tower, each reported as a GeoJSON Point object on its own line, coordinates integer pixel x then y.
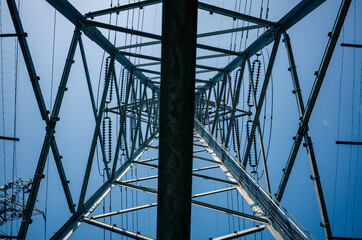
{"type": "Point", "coordinates": [197, 131]}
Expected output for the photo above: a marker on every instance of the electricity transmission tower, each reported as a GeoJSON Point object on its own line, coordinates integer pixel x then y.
{"type": "Point", "coordinates": [163, 136]}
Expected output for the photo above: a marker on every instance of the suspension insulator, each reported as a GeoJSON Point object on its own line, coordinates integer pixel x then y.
{"type": "Point", "coordinates": [257, 76]}
{"type": "Point", "coordinates": [111, 83]}
{"type": "Point", "coordinates": [256, 163]}
{"type": "Point", "coordinates": [248, 136]}
{"type": "Point", "coordinates": [107, 130]}
{"type": "Point", "coordinates": [106, 70]}
{"type": "Point", "coordinates": [104, 136]}
{"type": "Point", "coordinates": [252, 157]}
{"type": "Point", "coordinates": [109, 140]}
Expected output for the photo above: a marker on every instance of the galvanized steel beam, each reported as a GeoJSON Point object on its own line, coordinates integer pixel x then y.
{"type": "Point", "coordinates": [292, 17]}
{"type": "Point", "coordinates": [93, 201]}
{"type": "Point", "coordinates": [50, 129]}
{"type": "Point", "coordinates": [261, 97]}
{"type": "Point", "coordinates": [116, 229]}
{"type": "Point", "coordinates": [303, 125]}
{"type": "Point", "coordinates": [280, 226]}
{"type": "Point", "coordinates": [241, 233]}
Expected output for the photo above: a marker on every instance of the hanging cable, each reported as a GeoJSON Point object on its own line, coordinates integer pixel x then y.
{"type": "Point", "coordinates": [358, 157]}
{"type": "Point", "coordinates": [3, 101]}
{"type": "Point", "coordinates": [359, 115]}
{"type": "Point", "coordinates": [338, 131]}
{"type": "Point", "coordinates": [352, 123]}
{"type": "Point", "coordinates": [50, 107]}
{"type": "Point", "coordinates": [2, 94]}
{"type": "Point", "coordinates": [268, 117]}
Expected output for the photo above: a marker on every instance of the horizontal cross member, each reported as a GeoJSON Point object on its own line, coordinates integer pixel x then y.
{"type": "Point", "coordinates": [348, 143]}
{"type": "Point", "coordinates": [9, 138]}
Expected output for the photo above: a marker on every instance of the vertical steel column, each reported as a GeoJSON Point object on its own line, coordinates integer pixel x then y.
{"type": "Point", "coordinates": [176, 118]}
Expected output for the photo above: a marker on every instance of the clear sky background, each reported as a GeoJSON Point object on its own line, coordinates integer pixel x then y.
{"type": "Point", "coordinates": [336, 116]}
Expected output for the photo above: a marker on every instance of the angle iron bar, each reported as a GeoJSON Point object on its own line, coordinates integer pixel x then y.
{"type": "Point", "coordinates": [287, 21]}
{"type": "Point", "coordinates": [313, 94]}
{"type": "Point", "coordinates": [146, 164]}
{"type": "Point", "coordinates": [240, 233]}
{"type": "Point", "coordinates": [229, 211]}
{"type": "Point", "coordinates": [63, 178]}
{"type": "Point", "coordinates": [153, 36]}
{"type": "Point", "coordinates": [9, 138]}
{"type": "Point", "coordinates": [217, 103]}
{"type": "Point", "coordinates": [311, 156]}
{"type": "Point", "coordinates": [348, 143]}
{"type": "Point", "coordinates": [122, 121]}
{"type": "Point", "coordinates": [10, 35]}
{"type": "Point", "coordinates": [202, 6]}
{"type": "Point", "coordinates": [94, 108]}
{"type": "Point", "coordinates": [38, 95]}
{"type": "Point", "coordinates": [206, 159]}
{"type": "Point", "coordinates": [351, 45]}
{"type": "Point", "coordinates": [91, 204]}
{"type": "Point", "coordinates": [294, 75]}
{"type": "Point", "coordinates": [201, 150]}
{"type": "Point", "coordinates": [124, 211]}
{"type": "Point", "coordinates": [138, 132]}
{"type": "Point", "coordinates": [125, 7]}
{"type": "Point", "coordinates": [236, 116]}
{"type": "Point", "coordinates": [318, 188]}
{"type": "Point", "coordinates": [140, 179]}
{"type": "Point", "coordinates": [198, 203]}
{"type": "Point", "coordinates": [280, 225]}
{"type": "Point", "coordinates": [260, 137]}
{"type": "Point", "coordinates": [213, 192]}
{"type": "Point", "coordinates": [205, 168]}
{"type": "Point", "coordinates": [115, 229]}
{"type": "Point", "coordinates": [231, 30]}
{"type": "Point", "coordinates": [197, 58]}
{"type": "Point", "coordinates": [214, 179]}
{"type": "Point", "coordinates": [201, 35]}
{"type": "Point", "coordinates": [148, 126]}
{"type": "Point", "coordinates": [233, 107]}
{"type": "Point", "coordinates": [122, 29]}
{"type": "Point", "coordinates": [137, 187]}
{"type": "Point", "coordinates": [262, 96]}
{"type": "Point", "coordinates": [217, 49]}
{"type": "Point", "coordinates": [149, 160]}
{"type": "Point", "coordinates": [148, 71]}
{"type": "Point", "coordinates": [75, 17]}
{"type": "Point", "coordinates": [50, 129]}
{"type": "Point", "coordinates": [199, 145]}
{"type": "Point", "coordinates": [139, 45]}
{"type": "Point", "coordinates": [325, 63]}
{"type": "Point", "coordinates": [95, 137]}
{"type": "Point", "coordinates": [130, 54]}
{"type": "Point", "coordinates": [235, 15]}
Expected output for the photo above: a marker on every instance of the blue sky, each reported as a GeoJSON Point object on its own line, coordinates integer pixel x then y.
{"type": "Point", "coordinates": [338, 109]}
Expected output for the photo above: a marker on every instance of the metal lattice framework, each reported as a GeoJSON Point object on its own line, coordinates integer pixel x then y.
{"type": "Point", "coordinates": [13, 199]}
{"type": "Point", "coordinates": [133, 98]}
